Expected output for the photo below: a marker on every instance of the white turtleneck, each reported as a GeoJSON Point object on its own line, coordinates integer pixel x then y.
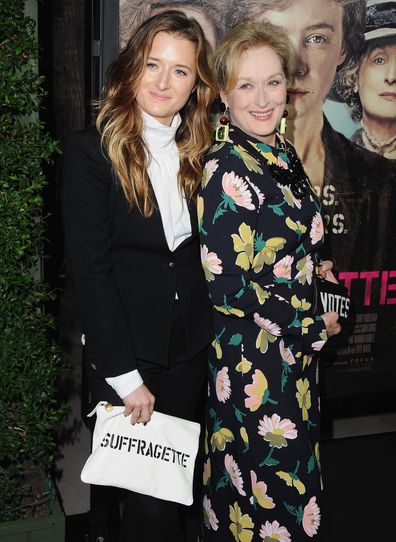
{"type": "Point", "coordinates": [163, 170]}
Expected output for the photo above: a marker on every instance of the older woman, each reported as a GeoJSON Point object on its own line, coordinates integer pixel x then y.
{"type": "Point", "coordinates": [369, 86]}
{"type": "Point", "coordinates": [260, 227]}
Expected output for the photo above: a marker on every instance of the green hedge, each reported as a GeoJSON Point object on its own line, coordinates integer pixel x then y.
{"type": "Point", "coordinates": [29, 362]}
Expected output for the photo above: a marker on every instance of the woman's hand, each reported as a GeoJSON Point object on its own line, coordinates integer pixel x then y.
{"type": "Point", "coordinates": [140, 404]}
{"type": "Point", "coordinates": [331, 321]}
{"type": "Point", "coordinates": [325, 271]}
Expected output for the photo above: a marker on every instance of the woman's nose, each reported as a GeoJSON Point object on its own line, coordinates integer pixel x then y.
{"type": "Point", "coordinates": [163, 80]}
{"type": "Point", "coordinates": [390, 75]}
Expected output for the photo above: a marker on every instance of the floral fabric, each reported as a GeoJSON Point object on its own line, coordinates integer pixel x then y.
{"type": "Point", "coordinates": [258, 249]}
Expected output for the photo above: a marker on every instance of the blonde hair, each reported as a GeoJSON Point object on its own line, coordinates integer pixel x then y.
{"type": "Point", "coordinates": [120, 121]}
{"type": "Point", "coordinates": [247, 35]}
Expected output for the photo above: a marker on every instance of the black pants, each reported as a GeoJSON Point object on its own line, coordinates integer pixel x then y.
{"type": "Point", "coordinates": [179, 390]}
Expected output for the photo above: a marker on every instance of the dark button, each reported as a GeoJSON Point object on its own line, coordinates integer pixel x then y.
{"type": "Point", "coordinates": [171, 265]}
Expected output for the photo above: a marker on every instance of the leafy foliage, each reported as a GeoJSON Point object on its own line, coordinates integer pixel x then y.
{"type": "Point", "coordinates": [29, 362]}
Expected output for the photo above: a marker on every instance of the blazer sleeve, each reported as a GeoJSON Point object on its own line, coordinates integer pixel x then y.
{"type": "Point", "coordinates": [87, 179]}
{"type": "Point", "coordinates": [240, 282]}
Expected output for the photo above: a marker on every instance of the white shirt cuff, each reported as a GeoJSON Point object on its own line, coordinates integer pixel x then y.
{"type": "Point", "coordinates": [126, 383]}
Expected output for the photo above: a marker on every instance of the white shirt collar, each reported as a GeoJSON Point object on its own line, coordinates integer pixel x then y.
{"type": "Point", "coordinates": [156, 135]}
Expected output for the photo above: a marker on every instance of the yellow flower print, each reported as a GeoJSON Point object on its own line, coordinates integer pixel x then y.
{"type": "Point", "coordinates": [268, 155]}
{"type": "Point", "coordinates": [300, 304]}
{"type": "Point", "coordinates": [245, 438]}
{"type": "Point", "coordinates": [200, 210]}
{"type": "Point", "coordinates": [317, 456]}
{"type": "Point", "coordinates": [263, 338]}
{"type": "Point", "coordinates": [220, 438]}
{"type": "Point", "coordinates": [306, 362]}
{"type": "Point", "coordinates": [229, 310]}
{"type": "Point", "coordinates": [303, 397]}
{"type": "Point", "coordinates": [266, 251]}
{"type": "Point", "coordinates": [292, 480]}
{"type": "Point", "coordinates": [217, 346]}
{"type": "Point", "coordinates": [296, 226]}
{"type": "Point", "coordinates": [305, 323]}
{"type": "Point", "coordinates": [257, 393]}
{"type": "Point", "coordinates": [244, 365]}
{"type": "Point", "coordinates": [262, 295]}
{"type": "Point", "coordinates": [240, 524]}
{"type": "Point", "coordinates": [207, 472]}
{"type": "Point", "coordinates": [250, 162]}
{"type": "Point", "coordinates": [268, 333]}
{"type": "Point", "coordinates": [260, 496]}
{"type": "Point", "coordinates": [244, 244]}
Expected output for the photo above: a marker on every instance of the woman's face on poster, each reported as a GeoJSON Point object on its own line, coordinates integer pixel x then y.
{"type": "Point", "coordinates": [315, 29]}
{"type": "Point", "coordinates": [376, 82]}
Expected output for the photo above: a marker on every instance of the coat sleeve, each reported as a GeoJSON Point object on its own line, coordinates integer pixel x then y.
{"type": "Point", "coordinates": [86, 202]}
{"type": "Point", "coordinates": [238, 263]}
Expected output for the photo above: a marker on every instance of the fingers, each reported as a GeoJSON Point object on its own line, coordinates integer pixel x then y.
{"type": "Point", "coordinates": [325, 271]}
{"type": "Point", "coordinates": [333, 327]}
{"type": "Point", "coordinates": [139, 405]}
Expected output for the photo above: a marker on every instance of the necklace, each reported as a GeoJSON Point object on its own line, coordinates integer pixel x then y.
{"type": "Point", "coordinates": [286, 167]}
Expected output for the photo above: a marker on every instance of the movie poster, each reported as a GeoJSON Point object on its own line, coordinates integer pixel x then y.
{"type": "Point", "coordinates": [342, 120]}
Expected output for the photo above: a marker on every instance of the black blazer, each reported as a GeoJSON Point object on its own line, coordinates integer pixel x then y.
{"type": "Point", "coordinates": [125, 275]}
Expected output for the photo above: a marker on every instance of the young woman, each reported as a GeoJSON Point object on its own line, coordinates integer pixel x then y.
{"type": "Point", "coordinates": [131, 237]}
{"type": "Point", "coordinates": [261, 228]}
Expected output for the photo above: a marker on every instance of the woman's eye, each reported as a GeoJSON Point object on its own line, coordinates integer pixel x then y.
{"type": "Point", "coordinates": [379, 60]}
{"type": "Point", "coordinates": [181, 72]}
{"type": "Point", "coordinates": [151, 65]}
{"type": "Point", "coordinates": [245, 85]}
{"type": "Point", "coordinates": [317, 39]}
{"type": "Point", "coordinates": [274, 82]}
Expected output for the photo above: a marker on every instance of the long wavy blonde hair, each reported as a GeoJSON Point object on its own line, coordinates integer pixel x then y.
{"type": "Point", "coordinates": [120, 121]}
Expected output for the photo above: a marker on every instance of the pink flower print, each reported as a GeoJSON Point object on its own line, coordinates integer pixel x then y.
{"type": "Point", "coordinates": [282, 269]}
{"type": "Point", "coordinates": [317, 229]}
{"type": "Point", "coordinates": [318, 345]}
{"type": "Point", "coordinates": [273, 531]}
{"type": "Point", "coordinates": [264, 323]}
{"type": "Point", "coordinates": [210, 518]}
{"type": "Point", "coordinates": [210, 168]}
{"type": "Point", "coordinates": [276, 431]}
{"type": "Point", "coordinates": [256, 391]}
{"type": "Point", "coordinates": [234, 472]}
{"type": "Point", "coordinates": [259, 490]}
{"type": "Point", "coordinates": [311, 517]}
{"type": "Point", "coordinates": [282, 163]}
{"type": "Point", "coordinates": [211, 263]}
{"type": "Point", "coordinates": [223, 385]}
{"type": "Point", "coordinates": [286, 353]}
{"type": "Point", "coordinates": [237, 189]}
{"type": "Point", "coordinates": [260, 195]}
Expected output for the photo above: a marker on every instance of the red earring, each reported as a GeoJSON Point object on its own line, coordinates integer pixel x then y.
{"type": "Point", "coordinates": [223, 129]}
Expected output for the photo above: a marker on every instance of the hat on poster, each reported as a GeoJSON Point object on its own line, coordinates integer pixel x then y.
{"type": "Point", "coordinates": [380, 19]}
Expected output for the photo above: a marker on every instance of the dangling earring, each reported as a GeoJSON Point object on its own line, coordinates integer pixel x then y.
{"type": "Point", "coordinates": [283, 122]}
{"type": "Point", "coordinates": [223, 128]}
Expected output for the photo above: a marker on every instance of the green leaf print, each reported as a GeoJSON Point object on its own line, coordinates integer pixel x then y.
{"type": "Point", "coordinates": [236, 339]}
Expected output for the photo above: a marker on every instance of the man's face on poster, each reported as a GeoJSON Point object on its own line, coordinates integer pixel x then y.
{"type": "Point", "coordinates": [199, 16]}
{"type": "Point", "coordinates": [376, 83]}
{"type": "Point", "coordinates": [315, 29]}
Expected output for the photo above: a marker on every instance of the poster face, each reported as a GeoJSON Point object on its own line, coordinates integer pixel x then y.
{"type": "Point", "coordinates": [342, 121]}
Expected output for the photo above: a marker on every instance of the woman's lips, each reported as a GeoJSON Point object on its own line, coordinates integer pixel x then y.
{"type": "Point", "coordinates": [389, 96]}
{"type": "Point", "coordinates": [160, 97]}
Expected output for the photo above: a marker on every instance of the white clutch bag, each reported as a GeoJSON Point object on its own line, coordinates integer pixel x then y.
{"type": "Point", "coordinates": [155, 459]}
